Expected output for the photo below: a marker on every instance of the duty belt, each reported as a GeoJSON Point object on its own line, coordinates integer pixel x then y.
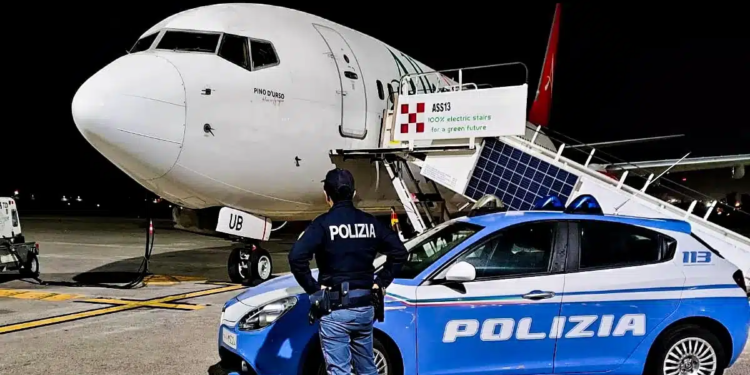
{"type": "Point", "coordinates": [324, 301]}
{"type": "Point", "coordinates": [351, 298]}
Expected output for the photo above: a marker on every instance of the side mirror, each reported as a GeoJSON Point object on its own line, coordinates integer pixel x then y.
{"type": "Point", "coordinates": [461, 271]}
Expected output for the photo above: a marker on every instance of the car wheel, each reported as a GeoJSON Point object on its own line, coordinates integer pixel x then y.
{"type": "Point", "coordinates": [383, 362]}
{"type": "Point", "coordinates": [31, 268]}
{"type": "Point", "coordinates": [687, 350]}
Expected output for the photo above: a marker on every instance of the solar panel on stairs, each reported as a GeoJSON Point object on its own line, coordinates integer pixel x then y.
{"type": "Point", "coordinates": [516, 177]}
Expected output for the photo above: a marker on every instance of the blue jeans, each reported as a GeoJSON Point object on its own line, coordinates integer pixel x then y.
{"type": "Point", "coordinates": [345, 335]}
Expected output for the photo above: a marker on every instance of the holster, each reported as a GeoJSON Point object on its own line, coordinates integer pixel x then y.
{"type": "Point", "coordinates": [320, 305]}
{"type": "Point", "coordinates": [378, 302]}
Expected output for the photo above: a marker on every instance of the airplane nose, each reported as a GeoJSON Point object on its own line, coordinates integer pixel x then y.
{"type": "Point", "coordinates": [133, 112]}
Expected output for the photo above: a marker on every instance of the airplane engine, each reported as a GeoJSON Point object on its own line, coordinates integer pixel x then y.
{"type": "Point", "coordinates": [738, 171]}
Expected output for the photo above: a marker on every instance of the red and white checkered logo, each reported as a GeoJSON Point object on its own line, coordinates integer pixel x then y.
{"type": "Point", "coordinates": [412, 118]}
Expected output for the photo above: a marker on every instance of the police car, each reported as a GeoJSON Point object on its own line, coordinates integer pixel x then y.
{"type": "Point", "coordinates": [550, 291]}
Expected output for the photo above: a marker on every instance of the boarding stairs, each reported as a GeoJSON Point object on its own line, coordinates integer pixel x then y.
{"type": "Point", "coordinates": [505, 156]}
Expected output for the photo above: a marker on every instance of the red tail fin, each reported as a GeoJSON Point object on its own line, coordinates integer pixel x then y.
{"type": "Point", "coordinates": [540, 109]}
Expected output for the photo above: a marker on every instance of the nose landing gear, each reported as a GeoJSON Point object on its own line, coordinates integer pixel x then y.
{"type": "Point", "coordinates": [249, 264]}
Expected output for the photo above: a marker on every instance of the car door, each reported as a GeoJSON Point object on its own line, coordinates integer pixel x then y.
{"type": "Point", "coordinates": [499, 322]}
{"type": "Point", "coordinates": [620, 284]}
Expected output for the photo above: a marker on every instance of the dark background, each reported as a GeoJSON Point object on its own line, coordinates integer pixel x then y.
{"type": "Point", "coordinates": [624, 70]}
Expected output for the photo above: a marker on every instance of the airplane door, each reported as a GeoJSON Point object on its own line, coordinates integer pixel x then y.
{"type": "Point", "coordinates": [351, 84]}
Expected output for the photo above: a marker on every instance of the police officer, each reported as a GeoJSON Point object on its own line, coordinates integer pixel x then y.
{"type": "Point", "coordinates": [345, 241]}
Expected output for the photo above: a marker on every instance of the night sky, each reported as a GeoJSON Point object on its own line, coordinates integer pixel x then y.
{"type": "Point", "coordinates": [624, 70]}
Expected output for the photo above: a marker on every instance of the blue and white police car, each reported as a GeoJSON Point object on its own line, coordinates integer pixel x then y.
{"type": "Point", "coordinates": [551, 291]}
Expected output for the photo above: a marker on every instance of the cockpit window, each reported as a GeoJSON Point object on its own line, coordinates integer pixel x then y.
{"type": "Point", "coordinates": [247, 53]}
{"type": "Point", "coordinates": [189, 41]}
{"type": "Point", "coordinates": [144, 43]}
{"type": "Point", "coordinates": [263, 54]}
{"type": "Point", "coordinates": [235, 50]}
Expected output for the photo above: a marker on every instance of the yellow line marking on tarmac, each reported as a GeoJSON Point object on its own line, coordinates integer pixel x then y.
{"type": "Point", "coordinates": [178, 306]}
{"type": "Point", "coordinates": [59, 297]}
{"type": "Point", "coordinates": [40, 296]}
{"type": "Point", "coordinates": [33, 295]}
{"type": "Point", "coordinates": [10, 292]}
{"type": "Point", "coordinates": [60, 319]}
{"type": "Point", "coordinates": [169, 280]}
{"type": "Point", "coordinates": [124, 305]}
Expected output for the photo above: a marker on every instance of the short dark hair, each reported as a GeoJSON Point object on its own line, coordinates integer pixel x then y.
{"type": "Point", "coordinates": [342, 193]}
{"type": "Point", "coordinates": [339, 185]}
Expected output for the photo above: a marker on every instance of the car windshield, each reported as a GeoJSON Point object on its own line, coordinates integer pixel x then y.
{"type": "Point", "coordinates": [431, 245]}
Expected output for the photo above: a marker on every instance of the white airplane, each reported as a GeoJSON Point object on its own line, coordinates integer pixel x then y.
{"type": "Point", "coordinates": [230, 111]}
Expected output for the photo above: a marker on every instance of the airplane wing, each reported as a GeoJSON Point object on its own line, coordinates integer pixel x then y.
{"type": "Point", "coordinates": [689, 164]}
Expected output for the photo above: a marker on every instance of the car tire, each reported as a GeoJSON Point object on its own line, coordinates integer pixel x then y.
{"type": "Point", "coordinates": [669, 351]}
{"type": "Point", "coordinates": [382, 360]}
{"type": "Point", "coordinates": [31, 267]}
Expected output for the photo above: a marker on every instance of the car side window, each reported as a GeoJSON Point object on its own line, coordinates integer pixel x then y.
{"type": "Point", "coordinates": [607, 244]}
{"type": "Point", "coordinates": [518, 250]}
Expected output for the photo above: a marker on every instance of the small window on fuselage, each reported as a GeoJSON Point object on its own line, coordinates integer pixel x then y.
{"type": "Point", "coordinates": [191, 41]}
{"type": "Point", "coordinates": [234, 49]}
{"type": "Point", "coordinates": [263, 54]}
{"type": "Point", "coordinates": [144, 43]}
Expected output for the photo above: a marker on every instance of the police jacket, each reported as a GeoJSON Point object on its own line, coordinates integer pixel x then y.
{"type": "Point", "coordinates": [345, 241]}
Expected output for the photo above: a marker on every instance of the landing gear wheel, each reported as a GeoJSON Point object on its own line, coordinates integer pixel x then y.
{"type": "Point", "coordinates": [236, 266]}
{"type": "Point", "coordinates": [687, 350]}
{"type": "Point", "coordinates": [249, 265]}
{"type": "Point", "coordinates": [31, 267]}
{"type": "Point", "coordinates": [261, 265]}
{"type": "Point", "coordinates": [383, 362]}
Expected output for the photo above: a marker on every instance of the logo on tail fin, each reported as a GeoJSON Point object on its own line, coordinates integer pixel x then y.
{"type": "Point", "coordinates": [541, 108]}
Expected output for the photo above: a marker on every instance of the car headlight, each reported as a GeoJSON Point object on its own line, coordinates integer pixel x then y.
{"type": "Point", "coordinates": [267, 314]}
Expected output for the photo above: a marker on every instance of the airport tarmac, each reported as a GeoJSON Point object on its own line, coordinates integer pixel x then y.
{"type": "Point", "coordinates": [63, 329]}
{"type": "Point", "coordinates": [167, 327]}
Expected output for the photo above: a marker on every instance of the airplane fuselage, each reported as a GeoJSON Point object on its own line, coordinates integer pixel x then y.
{"type": "Point", "coordinates": [200, 130]}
